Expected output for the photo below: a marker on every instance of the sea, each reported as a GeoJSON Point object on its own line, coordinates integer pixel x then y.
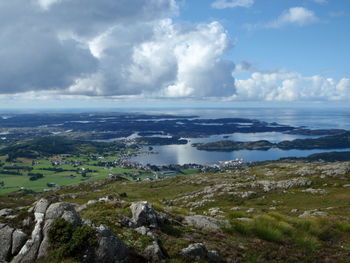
{"type": "Point", "coordinates": [311, 118]}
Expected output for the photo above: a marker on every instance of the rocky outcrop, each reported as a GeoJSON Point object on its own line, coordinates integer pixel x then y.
{"type": "Point", "coordinates": [284, 184]}
{"type": "Point", "coordinates": [198, 252]}
{"type": "Point", "coordinates": [5, 242]}
{"type": "Point", "coordinates": [29, 251]}
{"type": "Point", "coordinates": [205, 222]}
{"type": "Point", "coordinates": [15, 247]}
{"type": "Point", "coordinates": [143, 214]}
{"type": "Point", "coordinates": [53, 212]}
{"type": "Point", "coordinates": [312, 213]}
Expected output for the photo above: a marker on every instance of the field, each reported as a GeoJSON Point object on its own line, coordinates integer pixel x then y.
{"type": "Point", "coordinates": [62, 170]}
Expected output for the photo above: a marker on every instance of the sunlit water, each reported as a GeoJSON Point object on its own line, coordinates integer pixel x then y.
{"type": "Point", "coordinates": [310, 118]}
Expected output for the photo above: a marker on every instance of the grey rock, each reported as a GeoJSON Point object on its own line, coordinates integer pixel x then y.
{"type": "Point", "coordinates": [198, 252]}
{"type": "Point", "coordinates": [41, 206]}
{"type": "Point", "coordinates": [205, 222]}
{"type": "Point", "coordinates": [284, 184]}
{"type": "Point", "coordinates": [110, 248]}
{"type": "Point", "coordinates": [45, 244]}
{"type": "Point", "coordinates": [88, 222]}
{"type": "Point", "coordinates": [315, 191]}
{"type": "Point", "coordinates": [213, 256]}
{"type": "Point", "coordinates": [26, 222]}
{"type": "Point", "coordinates": [154, 253]}
{"type": "Point", "coordinates": [250, 210]}
{"type": "Point", "coordinates": [5, 243]}
{"type": "Point", "coordinates": [81, 207]}
{"type": "Point", "coordinates": [28, 253]}
{"type": "Point", "coordinates": [91, 202]}
{"type": "Point", "coordinates": [63, 210]}
{"type": "Point", "coordinates": [142, 230]}
{"type": "Point", "coordinates": [312, 213]}
{"type": "Point", "coordinates": [6, 212]}
{"type": "Point", "coordinates": [19, 238]}
{"type": "Point", "coordinates": [143, 214]}
{"type": "Point", "coordinates": [195, 251]}
{"type": "Point", "coordinates": [108, 198]}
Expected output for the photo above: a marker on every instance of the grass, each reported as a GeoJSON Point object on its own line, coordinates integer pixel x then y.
{"type": "Point", "coordinates": [309, 234]}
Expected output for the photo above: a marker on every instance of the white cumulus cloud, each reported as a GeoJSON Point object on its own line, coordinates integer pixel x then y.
{"type": "Point", "coordinates": [110, 48]}
{"type": "Point", "coordinates": [291, 86]}
{"type": "Point", "coordinates": [221, 4]}
{"type": "Point", "coordinates": [299, 16]}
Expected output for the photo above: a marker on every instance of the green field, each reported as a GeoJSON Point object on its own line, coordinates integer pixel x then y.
{"type": "Point", "coordinates": [67, 174]}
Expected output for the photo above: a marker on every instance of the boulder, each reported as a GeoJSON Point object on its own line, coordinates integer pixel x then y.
{"type": "Point", "coordinates": [205, 222]}
{"type": "Point", "coordinates": [143, 214]}
{"type": "Point", "coordinates": [63, 210]}
{"type": "Point", "coordinates": [19, 238]}
{"type": "Point", "coordinates": [5, 243]}
{"type": "Point", "coordinates": [155, 253]}
{"type": "Point", "coordinates": [198, 252]}
{"type": "Point", "coordinates": [109, 247]}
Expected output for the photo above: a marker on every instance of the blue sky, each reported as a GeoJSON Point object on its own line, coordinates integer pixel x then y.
{"type": "Point", "coordinates": [320, 47]}
{"type": "Point", "coordinates": [174, 53]}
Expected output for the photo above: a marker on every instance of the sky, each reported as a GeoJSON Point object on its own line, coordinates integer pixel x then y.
{"type": "Point", "coordinates": [168, 53]}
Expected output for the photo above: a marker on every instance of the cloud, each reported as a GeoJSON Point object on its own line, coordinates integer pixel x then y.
{"type": "Point", "coordinates": [112, 48]}
{"type": "Point", "coordinates": [222, 4]}
{"type": "Point", "coordinates": [299, 16]}
{"type": "Point", "coordinates": [291, 86]}
{"type": "Point", "coordinates": [244, 66]}
{"type": "Point", "coordinates": [164, 60]}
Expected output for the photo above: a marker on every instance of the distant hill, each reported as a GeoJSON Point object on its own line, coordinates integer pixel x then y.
{"type": "Point", "coordinates": [52, 145]}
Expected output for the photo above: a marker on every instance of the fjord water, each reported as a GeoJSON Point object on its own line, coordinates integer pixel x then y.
{"type": "Point", "coordinates": [310, 118]}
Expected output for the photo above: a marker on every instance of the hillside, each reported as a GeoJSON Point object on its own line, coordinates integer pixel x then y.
{"type": "Point", "coordinates": [277, 212]}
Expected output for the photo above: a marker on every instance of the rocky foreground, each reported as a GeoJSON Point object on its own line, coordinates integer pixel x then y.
{"type": "Point", "coordinates": [277, 212]}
